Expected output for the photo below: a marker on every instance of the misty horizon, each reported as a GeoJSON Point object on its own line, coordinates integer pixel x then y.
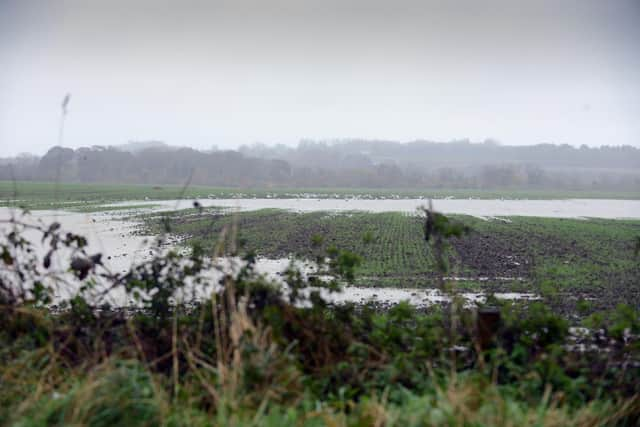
{"type": "Point", "coordinates": [341, 164]}
{"type": "Point", "coordinates": [159, 144]}
{"type": "Point", "coordinates": [227, 74]}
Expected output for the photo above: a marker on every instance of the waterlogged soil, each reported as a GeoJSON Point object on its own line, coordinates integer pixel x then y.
{"type": "Point", "coordinates": [590, 263]}
{"type": "Point", "coordinates": [570, 208]}
{"type": "Point", "coordinates": [567, 261]}
{"type": "Point", "coordinates": [111, 234]}
{"type": "Point", "coordinates": [510, 252]}
{"type": "Point", "coordinates": [121, 246]}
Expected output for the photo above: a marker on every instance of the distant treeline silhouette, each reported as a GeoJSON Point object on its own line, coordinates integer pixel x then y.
{"type": "Point", "coordinates": [342, 163]}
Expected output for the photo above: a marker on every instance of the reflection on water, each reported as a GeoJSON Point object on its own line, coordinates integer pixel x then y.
{"type": "Point", "coordinates": [572, 208]}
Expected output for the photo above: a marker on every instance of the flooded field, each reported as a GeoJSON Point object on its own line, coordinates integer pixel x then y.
{"type": "Point", "coordinates": [571, 208]}
{"type": "Point", "coordinates": [116, 235]}
{"type": "Point", "coordinates": [106, 232]}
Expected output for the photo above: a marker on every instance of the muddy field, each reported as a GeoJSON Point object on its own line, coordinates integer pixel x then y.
{"type": "Point", "coordinates": [568, 262]}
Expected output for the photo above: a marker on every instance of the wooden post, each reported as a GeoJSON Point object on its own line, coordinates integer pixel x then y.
{"type": "Point", "coordinates": [487, 324]}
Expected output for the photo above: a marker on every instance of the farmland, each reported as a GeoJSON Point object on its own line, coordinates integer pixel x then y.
{"type": "Point", "coordinates": [565, 260]}
{"type": "Point", "coordinates": [251, 354]}
{"type": "Point", "coordinates": [166, 363]}
{"type": "Point", "coordinates": [75, 196]}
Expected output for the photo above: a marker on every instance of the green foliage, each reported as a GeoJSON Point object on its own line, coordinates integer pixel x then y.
{"type": "Point", "coordinates": [625, 320]}
{"type": "Point", "coordinates": [536, 326]}
{"type": "Point", "coordinates": [344, 262]}
{"type": "Point", "coordinates": [317, 240]}
{"type": "Point", "coordinates": [123, 394]}
{"type": "Point", "coordinates": [260, 353]}
{"type": "Point", "coordinates": [622, 323]}
{"type": "Point", "coordinates": [584, 307]}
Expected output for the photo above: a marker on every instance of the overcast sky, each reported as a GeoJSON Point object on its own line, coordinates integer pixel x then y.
{"type": "Point", "coordinates": [227, 73]}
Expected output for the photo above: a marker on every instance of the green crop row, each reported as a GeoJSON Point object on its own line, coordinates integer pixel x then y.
{"type": "Point", "coordinates": [562, 259]}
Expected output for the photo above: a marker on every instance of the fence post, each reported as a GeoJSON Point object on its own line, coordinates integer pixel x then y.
{"type": "Point", "coordinates": [487, 324]}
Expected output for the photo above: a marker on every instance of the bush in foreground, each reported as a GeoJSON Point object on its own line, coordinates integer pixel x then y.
{"type": "Point", "coordinates": [257, 353]}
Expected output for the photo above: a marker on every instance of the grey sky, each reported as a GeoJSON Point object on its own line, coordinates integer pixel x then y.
{"type": "Point", "coordinates": [231, 72]}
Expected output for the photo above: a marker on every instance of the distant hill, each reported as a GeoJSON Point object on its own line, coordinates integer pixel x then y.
{"type": "Point", "coordinates": [462, 153]}
{"type": "Point", "coordinates": [343, 163]}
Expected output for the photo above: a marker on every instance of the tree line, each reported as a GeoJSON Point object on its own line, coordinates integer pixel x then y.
{"type": "Point", "coordinates": [342, 163]}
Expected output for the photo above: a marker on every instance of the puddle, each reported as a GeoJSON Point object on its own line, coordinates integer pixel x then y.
{"type": "Point", "coordinates": [420, 297]}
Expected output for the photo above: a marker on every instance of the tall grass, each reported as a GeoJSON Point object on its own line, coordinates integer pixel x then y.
{"type": "Point", "coordinates": [250, 356]}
